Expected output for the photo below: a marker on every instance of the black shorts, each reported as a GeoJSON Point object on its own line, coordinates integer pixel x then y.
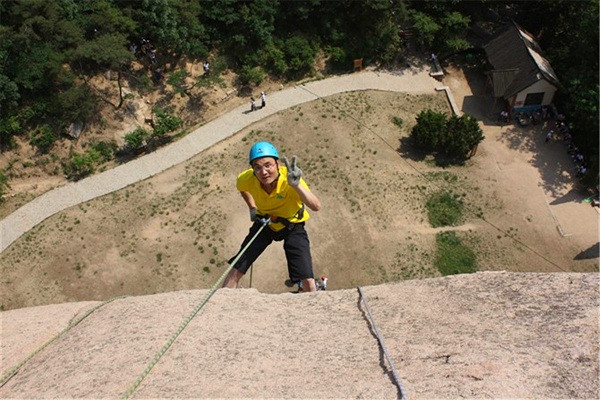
{"type": "Point", "coordinates": [295, 244]}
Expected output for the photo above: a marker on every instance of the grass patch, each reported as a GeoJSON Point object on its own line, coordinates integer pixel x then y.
{"type": "Point", "coordinates": [453, 257]}
{"type": "Point", "coordinates": [398, 121]}
{"type": "Point", "coordinates": [444, 209]}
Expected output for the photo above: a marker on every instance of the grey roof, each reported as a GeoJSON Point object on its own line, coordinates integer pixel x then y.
{"type": "Point", "coordinates": [518, 62]}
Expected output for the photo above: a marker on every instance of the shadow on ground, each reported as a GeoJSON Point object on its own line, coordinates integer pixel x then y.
{"type": "Point", "coordinates": [589, 253]}
{"type": "Point", "coordinates": [408, 151]}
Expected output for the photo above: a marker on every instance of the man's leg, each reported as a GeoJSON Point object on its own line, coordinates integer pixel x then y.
{"type": "Point", "coordinates": [308, 285]}
{"type": "Point", "coordinates": [259, 245]}
{"type": "Point", "coordinates": [297, 253]}
{"type": "Point", "coordinates": [232, 279]}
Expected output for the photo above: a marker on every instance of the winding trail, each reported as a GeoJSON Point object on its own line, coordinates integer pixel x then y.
{"type": "Point", "coordinates": [410, 80]}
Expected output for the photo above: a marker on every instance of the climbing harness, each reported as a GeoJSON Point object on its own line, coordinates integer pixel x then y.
{"type": "Point", "coordinates": [15, 369]}
{"type": "Point", "coordinates": [187, 320]}
{"type": "Point", "coordinates": [285, 221]}
{"type": "Point", "coordinates": [382, 344]}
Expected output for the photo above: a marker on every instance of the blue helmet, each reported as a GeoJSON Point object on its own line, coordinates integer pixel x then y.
{"type": "Point", "coordinates": [262, 149]}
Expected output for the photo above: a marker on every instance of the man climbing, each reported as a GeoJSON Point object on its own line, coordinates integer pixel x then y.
{"type": "Point", "coordinates": [279, 193]}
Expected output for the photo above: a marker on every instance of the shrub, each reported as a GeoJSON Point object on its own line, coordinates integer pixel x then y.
{"type": "Point", "coordinates": [456, 136]}
{"type": "Point", "coordinates": [3, 184]}
{"type": "Point", "coordinates": [398, 121]}
{"type": "Point", "coordinates": [274, 58]}
{"type": "Point", "coordinates": [299, 54]}
{"type": "Point", "coordinates": [106, 150]}
{"type": "Point", "coordinates": [79, 166]}
{"type": "Point", "coordinates": [453, 257]}
{"type": "Point", "coordinates": [165, 122]}
{"type": "Point", "coordinates": [137, 139]}
{"type": "Point", "coordinates": [430, 129]}
{"type": "Point", "coordinates": [444, 209]}
{"type": "Point", "coordinates": [338, 57]}
{"type": "Point", "coordinates": [253, 75]}
{"type": "Point", "coordinates": [43, 138]}
{"type": "Point", "coordinates": [461, 136]}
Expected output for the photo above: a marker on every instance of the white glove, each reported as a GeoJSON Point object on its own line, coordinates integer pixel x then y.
{"type": "Point", "coordinates": [294, 173]}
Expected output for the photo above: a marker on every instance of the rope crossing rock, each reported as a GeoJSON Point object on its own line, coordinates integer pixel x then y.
{"type": "Point", "coordinates": [187, 320]}
{"type": "Point", "coordinates": [16, 368]}
{"type": "Point", "coordinates": [383, 347]}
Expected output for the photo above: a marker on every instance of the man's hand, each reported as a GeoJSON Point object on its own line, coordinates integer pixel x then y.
{"type": "Point", "coordinates": [294, 173]}
{"type": "Point", "coordinates": [260, 218]}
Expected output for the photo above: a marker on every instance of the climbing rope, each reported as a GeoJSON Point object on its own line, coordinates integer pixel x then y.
{"type": "Point", "coordinates": [187, 320]}
{"type": "Point", "coordinates": [14, 370]}
{"type": "Point", "coordinates": [382, 344]}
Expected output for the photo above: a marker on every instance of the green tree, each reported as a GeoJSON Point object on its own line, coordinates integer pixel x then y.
{"type": "Point", "coordinates": [454, 26]}
{"type": "Point", "coordinates": [174, 26]}
{"type": "Point", "coordinates": [430, 130]}
{"type": "Point", "coordinates": [462, 135]}
{"type": "Point", "coordinates": [425, 28]}
{"type": "Point", "coordinates": [299, 54]}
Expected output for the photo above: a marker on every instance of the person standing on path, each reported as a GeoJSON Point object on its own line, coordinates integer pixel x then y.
{"type": "Point", "coordinates": [277, 193]}
{"type": "Point", "coordinates": [252, 104]}
{"type": "Point", "coordinates": [263, 99]}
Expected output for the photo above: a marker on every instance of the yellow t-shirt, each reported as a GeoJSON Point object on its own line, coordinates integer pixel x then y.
{"type": "Point", "coordinates": [283, 202]}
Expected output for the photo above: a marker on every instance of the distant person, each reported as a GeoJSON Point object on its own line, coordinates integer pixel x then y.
{"type": "Point", "coordinates": [323, 285]}
{"type": "Point", "coordinates": [276, 195]}
{"type": "Point", "coordinates": [263, 99]}
{"type": "Point", "coordinates": [252, 104]}
{"type": "Point", "coordinates": [206, 67]}
{"type": "Point", "coordinates": [549, 135]}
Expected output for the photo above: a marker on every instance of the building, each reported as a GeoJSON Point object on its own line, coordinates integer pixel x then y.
{"type": "Point", "coordinates": [521, 75]}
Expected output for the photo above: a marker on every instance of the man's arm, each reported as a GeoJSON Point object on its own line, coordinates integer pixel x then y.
{"type": "Point", "coordinates": [248, 199]}
{"type": "Point", "coordinates": [251, 204]}
{"type": "Point", "coordinates": [293, 178]}
{"type": "Point", "coordinates": [308, 198]}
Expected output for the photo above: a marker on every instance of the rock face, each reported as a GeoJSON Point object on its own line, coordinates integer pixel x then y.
{"type": "Point", "coordinates": [499, 335]}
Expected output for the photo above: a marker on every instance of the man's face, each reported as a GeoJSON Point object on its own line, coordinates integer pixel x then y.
{"type": "Point", "coordinates": [266, 170]}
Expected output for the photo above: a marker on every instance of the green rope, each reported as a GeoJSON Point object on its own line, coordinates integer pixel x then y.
{"type": "Point", "coordinates": [14, 370]}
{"type": "Point", "coordinates": [187, 320]}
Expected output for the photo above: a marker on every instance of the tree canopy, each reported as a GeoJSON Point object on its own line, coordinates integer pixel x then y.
{"type": "Point", "coordinates": [49, 48]}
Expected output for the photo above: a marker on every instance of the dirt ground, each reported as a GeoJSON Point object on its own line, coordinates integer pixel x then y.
{"type": "Point", "coordinates": [176, 230]}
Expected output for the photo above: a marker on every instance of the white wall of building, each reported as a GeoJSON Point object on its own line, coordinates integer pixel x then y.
{"type": "Point", "coordinates": [540, 86]}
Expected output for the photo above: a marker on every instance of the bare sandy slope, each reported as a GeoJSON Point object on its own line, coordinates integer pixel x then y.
{"type": "Point", "coordinates": [176, 230]}
{"type": "Point", "coordinates": [499, 335]}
